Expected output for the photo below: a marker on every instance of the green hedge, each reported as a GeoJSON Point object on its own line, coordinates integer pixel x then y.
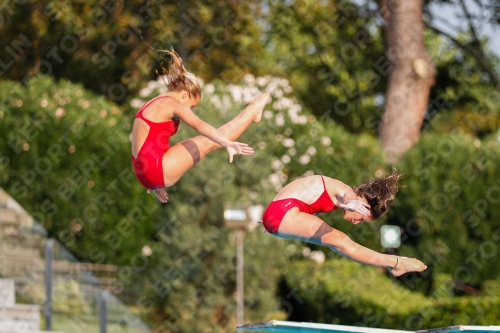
{"type": "Point", "coordinates": [448, 208]}
{"type": "Point", "coordinates": [347, 293]}
{"type": "Point", "coordinates": [65, 157]}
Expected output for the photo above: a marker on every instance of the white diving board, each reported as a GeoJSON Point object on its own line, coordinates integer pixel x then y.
{"type": "Point", "coordinates": [463, 328]}
{"type": "Point", "coordinates": [279, 326]}
{"type": "Point", "coordinates": [295, 327]}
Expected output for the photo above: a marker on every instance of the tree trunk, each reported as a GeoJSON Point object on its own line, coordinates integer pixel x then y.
{"type": "Point", "coordinates": [411, 76]}
{"type": "Point", "coordinates": [183, 52]}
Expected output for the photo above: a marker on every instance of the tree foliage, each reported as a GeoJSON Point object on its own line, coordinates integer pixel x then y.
{"type": "Point", "coordinates": [333, 57]}
{"type": "Point", "coordinates": [331, 52]}
{"type": "Point", "coordinates": [108, 46]}
{"type": "Point", "coordinates": [463, 98]}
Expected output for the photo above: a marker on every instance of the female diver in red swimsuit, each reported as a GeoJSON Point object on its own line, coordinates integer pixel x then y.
{"type": "Point", "coordinates": [290, 215]}
{"type": "Point", "coordinates": [155, 163]}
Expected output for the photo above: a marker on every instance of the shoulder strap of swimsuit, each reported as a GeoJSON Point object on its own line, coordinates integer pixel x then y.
{"type": "Point", "coordinates": [139, 114]}
{"type": "Point", "coordinates": [329, 197]}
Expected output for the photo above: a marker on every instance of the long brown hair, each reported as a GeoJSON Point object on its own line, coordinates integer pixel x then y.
{"type": "Point", "coordinates": [178, 78]}
{"type": "Point", "coordinates": [379, 192]}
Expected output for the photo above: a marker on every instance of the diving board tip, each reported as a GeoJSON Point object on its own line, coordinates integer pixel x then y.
{"type": "Point", "coordinates": [278, 326]}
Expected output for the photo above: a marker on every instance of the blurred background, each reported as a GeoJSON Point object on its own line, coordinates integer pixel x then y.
{"type": "Point", "coordinates": [356, 87]}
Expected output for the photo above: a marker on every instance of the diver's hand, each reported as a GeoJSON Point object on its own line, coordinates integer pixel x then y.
{"type": "Point", "coordinates": [356, 206]}
{"type": "Point", "coordinates": [234, 148]}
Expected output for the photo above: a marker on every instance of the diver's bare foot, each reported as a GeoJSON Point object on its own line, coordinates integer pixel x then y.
{"type": "Point", "coordinates": [161, 194]}
{"type": "Point", "coordinates": [406, 265]}
{"type": "Point", "coordinates": [256, 107]}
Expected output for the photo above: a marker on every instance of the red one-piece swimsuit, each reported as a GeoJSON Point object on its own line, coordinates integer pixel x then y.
{"type": "Point", "coordinates": [148, 166]}
{"type": "Point", "coordinates": [277, 209]}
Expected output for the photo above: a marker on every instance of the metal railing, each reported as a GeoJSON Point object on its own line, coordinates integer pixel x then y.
{"type": "Point", "coordinates": [77, 288]}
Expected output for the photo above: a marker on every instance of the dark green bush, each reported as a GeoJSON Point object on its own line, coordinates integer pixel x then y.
{"type": "Point", "coordinates": [344, 292]}
{"type": "Point", "coordinates": [449, 206]}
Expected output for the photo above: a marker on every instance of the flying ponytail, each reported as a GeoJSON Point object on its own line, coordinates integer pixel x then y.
{"type": "Point", "coordinates": [177, 78]}
{"type": "Point", "coordinates": [379, 192]}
